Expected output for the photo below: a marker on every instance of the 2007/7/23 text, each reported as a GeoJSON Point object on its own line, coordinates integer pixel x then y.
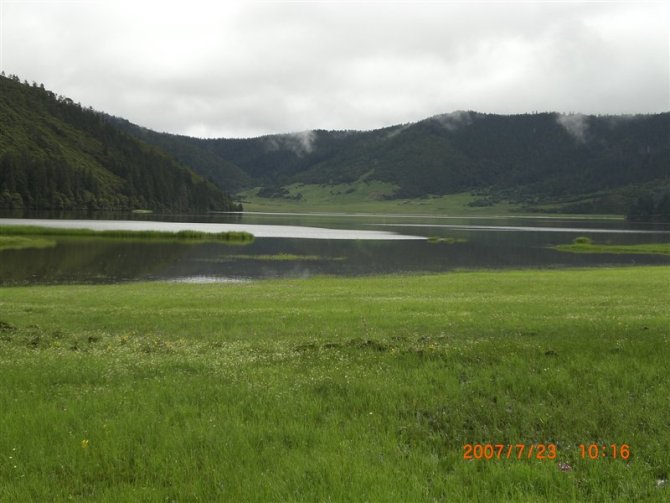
{"type": "Point", "coordinates": [510, 451]}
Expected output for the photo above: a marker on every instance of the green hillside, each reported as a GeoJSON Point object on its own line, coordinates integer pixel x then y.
{"type": "Point", "coordinates": [55, 154]}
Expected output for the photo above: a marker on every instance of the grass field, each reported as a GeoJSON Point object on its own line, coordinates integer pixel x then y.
{"type": "Point", "coordinates": [330, 389]}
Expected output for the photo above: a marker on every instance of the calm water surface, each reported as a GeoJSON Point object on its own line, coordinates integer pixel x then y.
{"type": "Point", "coordinates": [303, 245]}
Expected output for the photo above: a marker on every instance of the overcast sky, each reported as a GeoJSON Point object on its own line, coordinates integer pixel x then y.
{"type": "Point", "coordinates": [239, 69]}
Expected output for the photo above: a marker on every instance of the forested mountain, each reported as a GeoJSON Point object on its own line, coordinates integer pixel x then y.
{"type": "Point", "coordinates": [526, 158]}
{"type": "Point", "coordinates": [54, 154]}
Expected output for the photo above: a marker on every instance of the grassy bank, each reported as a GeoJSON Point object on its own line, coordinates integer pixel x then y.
{"type": "Point", "coordinates": [642, 249]}
{"type": "Point", "coordinates": [337, 389]}
{"type": "Point", "coordinates": [28, 230]}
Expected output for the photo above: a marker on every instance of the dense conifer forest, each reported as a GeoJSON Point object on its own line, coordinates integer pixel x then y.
{"type": "Point", "coordinates": [56, 154]}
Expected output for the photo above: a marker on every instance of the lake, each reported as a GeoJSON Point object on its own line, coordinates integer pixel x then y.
{"type": "Point", "coordinates": [303, 245]}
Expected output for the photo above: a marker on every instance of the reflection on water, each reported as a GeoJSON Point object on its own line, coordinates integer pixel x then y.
{"type": "Point", "coordinates": [532, 228]}
{"type": "Point", "coordinates": [485, 246]}
{"type": "Point", "coordinates": [201, 280]}
{"type": "Point", "coordinates": [258, 230]}
{"type": "Point", "coordinates": [88, 261]}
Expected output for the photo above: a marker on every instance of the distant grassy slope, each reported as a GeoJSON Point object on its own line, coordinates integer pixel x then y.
{"type": "Point", "coordinates": [334, 389]}
{"type": "Point", "coordinates": [55, 154]}
{"type": "Point", "coordinates": [372, 197]}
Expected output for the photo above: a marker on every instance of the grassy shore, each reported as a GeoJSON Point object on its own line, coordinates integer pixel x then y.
{"type": "Point", "coordinates": [29, 230]}
{"type": "Point", "coordinates": [337, 389]}
{"type": "Point", "coordinates": [639, 249]}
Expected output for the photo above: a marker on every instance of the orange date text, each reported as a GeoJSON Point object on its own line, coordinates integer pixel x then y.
{"type": "Point", "coordinates": [489, 452]}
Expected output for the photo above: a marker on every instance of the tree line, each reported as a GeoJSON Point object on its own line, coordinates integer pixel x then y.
{"type": "Point", "coordinates": [648, 208]}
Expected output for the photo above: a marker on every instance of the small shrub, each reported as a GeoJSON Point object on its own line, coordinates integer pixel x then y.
{"type": "Point", "coordinates": [583, 240]}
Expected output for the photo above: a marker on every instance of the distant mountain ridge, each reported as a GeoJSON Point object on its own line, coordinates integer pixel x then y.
{"type": "Point", "coordinates": [55, 154]}
{"type": "Point", "coordinates": [527, 158]}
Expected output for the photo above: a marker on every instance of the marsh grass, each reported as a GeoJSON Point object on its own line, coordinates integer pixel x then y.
{"type": "Point", "coordinates": [186, 235]}
{"type": "Point", "coordinates": [22, 242]}
{"type": "Point", "coordinates": [283, 257]}
{"type": "Point", "coordinates": [336, 389]}
{"type": "Point", "coordinates": [585, 245]}
{"type": "Point", "coordinates": [446, 240]}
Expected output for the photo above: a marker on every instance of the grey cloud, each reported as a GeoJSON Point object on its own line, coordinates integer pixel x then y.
{"type": "Point", "coordinates": [244, 69]}
{"type": "Point", "coordinates": [454, 120]}
{"type": "Point", "coordinates": [575, 124]}
{"type": "Point", "coordinates": [300, 143]}
{"type": "Point", "coordinates": [395, 131]}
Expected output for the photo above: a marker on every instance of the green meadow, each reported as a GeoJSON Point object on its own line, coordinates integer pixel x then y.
{"type": "Point", "coordinates": [337, 389]}
{"type": "Point", "coordinates": [374, 196]}
{"type": "Point", "coordinates": [365, 196]}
